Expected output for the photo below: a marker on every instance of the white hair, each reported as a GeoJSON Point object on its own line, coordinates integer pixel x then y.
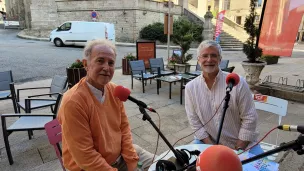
{"type": "Point", "coordinates": [90, 45]}
{"type": "Point", "coordinates": [209, 43]}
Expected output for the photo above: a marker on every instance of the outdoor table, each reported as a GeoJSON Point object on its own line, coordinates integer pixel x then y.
{"type": "Point", "coordinates": [172, 79]}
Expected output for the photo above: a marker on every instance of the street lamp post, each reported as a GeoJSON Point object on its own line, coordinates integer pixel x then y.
{"type": "Point", "coordinates": [169, 29]}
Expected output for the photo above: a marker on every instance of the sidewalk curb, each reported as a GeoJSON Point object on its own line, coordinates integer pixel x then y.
{"type": "Point", "coordinates": [20, 35]}
{"type": "Point", "coordinates": [122, 44]}
{"type": "Point", "coordinates": [298, 50]}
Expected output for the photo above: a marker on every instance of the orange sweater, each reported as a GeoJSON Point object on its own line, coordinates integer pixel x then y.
{"type": "Point", "coordinates": [94, 134]}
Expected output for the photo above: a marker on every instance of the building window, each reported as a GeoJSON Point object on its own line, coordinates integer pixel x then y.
{"type": "Point", "coordinates": [239, 20]}
{"type": "Point", "coordinates": [227, 5]}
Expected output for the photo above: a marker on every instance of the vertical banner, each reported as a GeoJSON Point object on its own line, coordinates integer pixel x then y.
{"type": "Point", "coordinates": [166, 24]}
{"type": "Point", "coordinates": [280, 27]}
{"type": "Point", "coordinates": [219, 25]}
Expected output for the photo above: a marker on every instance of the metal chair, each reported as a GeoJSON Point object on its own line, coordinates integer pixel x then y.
{"type": "Point", "coordinates": [58, 85]}
{"type": "Point", "coordinates": [273, 105]}
{"type": "Point", "coordinates": [7, 87]}
{"type": "Point", "coordinates": [156, 63]}
{"type": "Point", "coordinates": [138, 71]}
{"type": "Point", "coordinates": [184, 81]}
{"type": "Point", "coordinates": [26, 122]}
{"type": "Point", "coordinates": [53, 131]}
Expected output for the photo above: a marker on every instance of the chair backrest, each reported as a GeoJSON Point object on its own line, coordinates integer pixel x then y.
{"type": "Point", "coordinates": [59, 84]}
{"type": "Point", "coordinates": [137, 67]}
{"type": "Point", "coordinates": [271, 104]}
{"type": "Point", "coordinates": [58, 102]}
{"type": "Point", "coordinates": [155, 63]}
{"type": "Point", "coordinates": [6, 77]}
{"type": "Point", "coordinates": [224, 64]}
{"type": "Point", "coordinates": [53, 131]}
{"type": "Point", "coordinates": [198, 67]}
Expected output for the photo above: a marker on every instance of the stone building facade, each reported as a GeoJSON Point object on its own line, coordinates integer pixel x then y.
{"type": "Point", "coordinates": [39, 17]}
{"type": "Point", "coordinates": [2, 6]}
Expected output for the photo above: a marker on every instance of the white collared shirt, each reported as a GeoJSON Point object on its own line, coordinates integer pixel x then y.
{"type": "Point", "coordinates": [201, 104]}
{"type": "Point", "coordinates": [97, 93]}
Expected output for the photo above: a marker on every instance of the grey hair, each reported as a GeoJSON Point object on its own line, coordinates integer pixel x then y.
{"type": "Point", "coordinates": [91, 44]}
{"type": "Point", "coordinates": [208, 43]}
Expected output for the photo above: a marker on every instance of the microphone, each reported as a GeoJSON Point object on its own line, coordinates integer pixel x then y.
{"type": "Point", "coordinates": [292, 128]}
{"type": "Point", "coordinates": [123, 94]}
{"type": "Point", "coordinates": [219, 158]}
{"type": "Point", "coordinates": [232, 80]}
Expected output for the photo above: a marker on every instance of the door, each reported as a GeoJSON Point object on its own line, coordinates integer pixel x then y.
{"type": "Point", "coordinates": [64, 32]}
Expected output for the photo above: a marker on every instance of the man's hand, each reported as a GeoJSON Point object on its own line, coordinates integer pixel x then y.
{"type": "Point", "coordinates": [207, 140]}
{"type": "Point", "coordinates": [241, 145]}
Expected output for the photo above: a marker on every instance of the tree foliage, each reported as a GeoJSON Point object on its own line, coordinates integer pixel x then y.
{"type": "Point", "coordinates": [249, 47]}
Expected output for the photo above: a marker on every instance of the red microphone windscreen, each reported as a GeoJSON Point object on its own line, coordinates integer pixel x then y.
{"type": "Point", "coordinates": [233, 76]}
{"type": "Point", "coordinates": [218, 158]}
{"type": "Point", "coordinates": [122, 93]}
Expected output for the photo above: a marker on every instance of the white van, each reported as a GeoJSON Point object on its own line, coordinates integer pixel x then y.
{"type": "Point", "coordinates": [79, 32]}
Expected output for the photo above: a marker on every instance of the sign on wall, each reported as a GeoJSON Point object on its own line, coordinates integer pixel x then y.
{"type": "Point", "coordinates": [145, 50]}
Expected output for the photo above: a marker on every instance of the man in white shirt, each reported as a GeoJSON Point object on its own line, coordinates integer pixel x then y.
{"type": "Point", "coordinates": [205, 94]}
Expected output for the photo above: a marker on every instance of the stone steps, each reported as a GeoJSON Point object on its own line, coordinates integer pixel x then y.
{"type": "Point", "coordinates": [230, 39]}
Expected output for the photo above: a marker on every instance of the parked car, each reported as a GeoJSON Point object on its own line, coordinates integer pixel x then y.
{"type": "Point", "coordinates": [80, 32]}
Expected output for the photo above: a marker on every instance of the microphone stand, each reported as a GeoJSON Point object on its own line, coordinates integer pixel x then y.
{"type": "Point", "coordinates": [297, 145]}
{"type": "Point", "coordinates": [227, 98]}
{"type": "Point", "coordinates": [182, 161]}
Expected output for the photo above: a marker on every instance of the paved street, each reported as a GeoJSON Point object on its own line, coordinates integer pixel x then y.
{"type": "Point", "coordinates": [36, 60]}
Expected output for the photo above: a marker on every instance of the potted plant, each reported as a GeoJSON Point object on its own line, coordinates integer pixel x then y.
{"type": "Point", "coordinates": [253, 66]}
{"type": "Point", "coordinates": [75, 72]}
{"type": "Point", "coordinates": [172, 61]}
{"type": "Point", "coordinates": [270, 59]}
{"type": "Point", "coordinates": [125, 63]}
{"type": "Point", "coordinates": [183, 35]}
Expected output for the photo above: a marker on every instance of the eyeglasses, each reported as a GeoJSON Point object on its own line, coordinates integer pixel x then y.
{"type": "Point", "coordinates": [206, 56]}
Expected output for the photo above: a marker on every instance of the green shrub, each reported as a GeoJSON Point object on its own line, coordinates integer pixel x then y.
{"type": "Point", "coordinates": [153, 31]}
{"type": "Point", "coordinates": [197, 32]}
{"type": "Point", "coordinates": [184, 33]}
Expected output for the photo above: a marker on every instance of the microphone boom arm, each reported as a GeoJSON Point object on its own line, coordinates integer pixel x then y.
{"type": "Point", "coordinates": [225, 107]}
{"type": "Point", "coordinates": [296, 145]}
{"type": "Point", "coordinates": [177, 153]}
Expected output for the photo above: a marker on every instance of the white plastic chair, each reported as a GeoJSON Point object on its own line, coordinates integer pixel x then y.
{"type": "Point", "coordinates": [273, 105]}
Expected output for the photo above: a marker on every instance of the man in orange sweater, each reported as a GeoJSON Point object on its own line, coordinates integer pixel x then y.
{"type": "Point", "coordinates": [96, 135]}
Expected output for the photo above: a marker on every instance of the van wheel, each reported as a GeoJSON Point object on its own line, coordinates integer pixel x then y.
{"type": "Point", "coordinates": [58, 42]}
